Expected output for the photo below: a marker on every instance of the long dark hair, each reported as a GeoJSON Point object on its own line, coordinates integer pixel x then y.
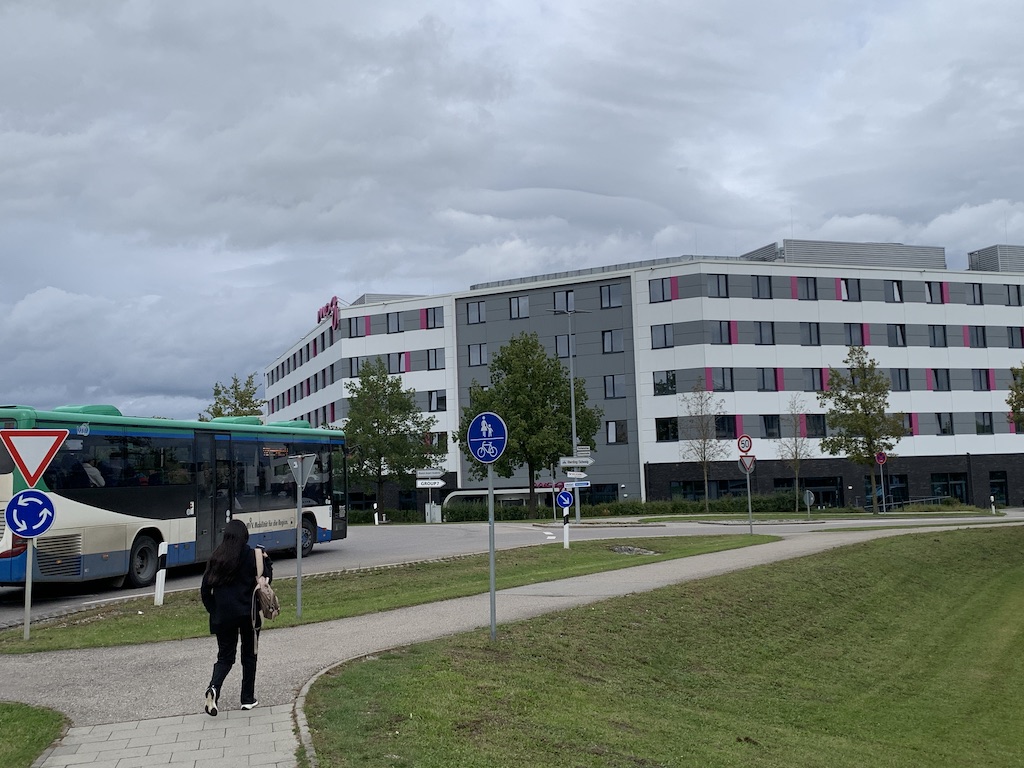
{"type": "Point", "coordinates": [227, 557]}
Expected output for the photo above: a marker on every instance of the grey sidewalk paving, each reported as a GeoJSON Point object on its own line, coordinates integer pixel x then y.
{"type": "Point", "coordinates": [154, 692]}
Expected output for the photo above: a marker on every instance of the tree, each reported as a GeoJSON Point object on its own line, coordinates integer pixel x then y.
{"type": "Point", "coordinates": [856, 401]}
{"type": "Point", "coordinates": [700, 431]}
{"type": "Point", "coordinates": [794, 447]}
{"type": "Point", "coordinates": [1016, 397]}
{"type": "Point", "coordinates": [530, 391]}
{"type": "Point", "coordinates": [392, 435]}
{"type": "Point", "coordinates": [236, 399]}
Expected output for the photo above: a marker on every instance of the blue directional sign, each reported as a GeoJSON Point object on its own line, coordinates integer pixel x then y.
{"type": "Point", "coordinates": [487, 437]}
{"type": "Point", "coordinates": [29, 513]}
{"type": "Point", "coordinates": [564, 499]}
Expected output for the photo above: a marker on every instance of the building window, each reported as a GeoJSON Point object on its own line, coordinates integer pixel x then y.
{"type": "Point", "coordinates": [983, 422]}
{"type": "Point", "coordinates": [900, 379]}
{"type": "Point", "coordinates": [854, 334]}
{"type": "Point", "coordinates": [725, 427]}
{"type": "Point", "coordinates": [812, 380]}
{"type": "Point", "coordinates": [718, 286]}
{"type": "Point", "coordinates": [979, 377]}
{"type": "Point", "coordinates": [720, 333]}
{"type": "Point", "coordinates": [849, 288]}
{"type": "Point", "coordinates": [435, 317]}
{"type": "Point", "coordinates": [771, 427]}
{"type": "Point", "coordinates": [764, 333]}
{"type": "Point", "coordinates": [664, 382]}
{"type": "Point", "coordinates": [940, 379]}
{"type": "Point", "coordinates": [611, 341]}
{"type": "Point", "coordinates": [945, 422]}
{"type": "Point", "coordinates": [564, 345]}
{"type": "Point", "coordinates": [815, 424]}
{"type": "Point", "coordinates": [1015, 334]}
{"type": "Point", "coordinates": [974, 294]}
{"type": "Point", "coordinates": [438, 400]}
{"type": "Point", "coordinates": [894, 291]}
{"type": "Point", "coordinates": [519, 307]}
{"type": "Point", "coordinates": [615, 386]}
{"type": "Point", "coordinates": [766, 380]}
{"type": "Point", "coordinates": [666, 430]}
{"type": "Point", "coordinates": [661, 290]}
{"type": "Point", "coordinates": [356, 327]}
{"type": "Point", "coordinates": [721, 379]}
{"type": "Point", "coordinates": [762, 286]}
{"type": "Point", "coordinates": [897, 335]}
{"type": "Point", "coordinates": [394, 322]}
{"type": "Point", "coordinates": [807, 288]}
{"type": "Point", "coordinates": [435, 359]}
{"type": "Point", "coordinates": [353, 367]}
{"type": "Point", "coordinates": [611, 296]}
{"type": "Point", "coordinates": [810, 334]}
{"type": "Point", "coordinates": [1013, 295]}
{"type": "Point", "coordinates": [615, 432]}
{"type": "Point", "coordinates": [937, 335]}
{"type": "Point", "coordinates": [396, 362]}
{"type": "Point", "coordinates": [976, 336]}
{"type": "Point", "coordinates": [438, 439]}
{"type": "Point", "coordinates": [476, 312]}
{"type": "Point", "coordinates": [933, 292]}
{"type": "Point", "coordinates": [661, 336]}
{"type": "Point", "coordinates": [565, 301]}
{"type": "Point", "coordinates": [478, 354]}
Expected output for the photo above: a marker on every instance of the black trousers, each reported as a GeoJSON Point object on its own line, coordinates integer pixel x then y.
{"type": "Point", "coordinates": [228, 637]}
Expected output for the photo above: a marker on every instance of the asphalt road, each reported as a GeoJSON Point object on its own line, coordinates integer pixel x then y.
{"type": "Point", "coordinates": [370, 546]}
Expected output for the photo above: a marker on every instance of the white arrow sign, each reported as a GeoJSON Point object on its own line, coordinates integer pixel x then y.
{"type": "Point", "coordinates": [576, 475]}
{"type": "Point", "coordinates": [430, 483]}
{"type": "Point", "coordinates": [575, 461]}
{"type": "Point", "coordinates": [429, 472]}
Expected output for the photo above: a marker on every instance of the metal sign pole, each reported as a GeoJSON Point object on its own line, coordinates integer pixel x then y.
{"type": "Point", "coordinates": [750, 509]}
{"type": "Point", "coordinates": [298, 551]}
{"type": "Point", "coordinates": [490, 522]}
{"type": "Point", "coordinates": [28, 585]}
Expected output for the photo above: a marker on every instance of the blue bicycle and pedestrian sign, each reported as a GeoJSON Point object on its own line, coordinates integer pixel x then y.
{"type": "Point", "coordinates": [29, 513]}
{"type": "Point", "coordinates": [487, 437]}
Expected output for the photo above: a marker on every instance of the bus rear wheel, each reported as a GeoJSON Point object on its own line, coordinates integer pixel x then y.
{"type": "Point", "coordinates": [308, 536]}
{"type": "Point", "coordinates": [143, 562]}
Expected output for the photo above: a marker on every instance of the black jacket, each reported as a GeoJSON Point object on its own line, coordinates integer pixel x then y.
{"type": "Point", "coordinates": [227, 603]}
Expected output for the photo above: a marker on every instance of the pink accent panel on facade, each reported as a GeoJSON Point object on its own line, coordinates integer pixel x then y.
{"type": "Point", "coordinates": [928, 384]}
{"type": "Point", "coordinates": [674, 287]}
{"type": "Point", "coordinates": [734, 333]}
{"type": "Point", "coordinates": [780, 379]}
{"type": "Point", "coordinates": [739, 425]}
{"type": "Point", "coordinates": [366, 324]}
{"type": "Point", "coordinates": [423, 319]}
{"type": "Point", "coordinates": [913, 423]}
{"type": "Point", "coordinates": [792, 287]}
{"type": "Point", "coordinates": [865, 331]}
{"type": "Point", "coordinates": [991, 378]}
{"type": "Point", "coordinates": [824, 379]}
{"type": "Point", "coordinates": [288, 397]}
{"type": "Point", "coordinates": [709, 383]}
{"type": "Point", "coordinates": [839, 289]}
{"type": "Point", "coordinates": [945, 292]}
{"type": "Point", "coordinates": [332, 412]}
{"type": "Point", "coordinates": [408, 362]}
{"type": "Point", "coordinates": [803, 425]}
{"type": "Point", "coordinates": [967, 335]}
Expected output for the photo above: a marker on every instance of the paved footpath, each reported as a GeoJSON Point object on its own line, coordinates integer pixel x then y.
{"type": "Point", "coordinates": [142, 705]}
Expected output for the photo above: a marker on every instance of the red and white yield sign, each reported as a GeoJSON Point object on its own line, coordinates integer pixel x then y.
{"type": "Point", "coordinates": [33, 449]}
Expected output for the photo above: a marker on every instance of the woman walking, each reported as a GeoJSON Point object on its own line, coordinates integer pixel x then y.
{"type": "Point", "coordinates": [227, 593]}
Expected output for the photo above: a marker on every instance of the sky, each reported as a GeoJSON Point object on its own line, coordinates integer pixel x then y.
{"type": "Point", "coordinates": [183, 184]}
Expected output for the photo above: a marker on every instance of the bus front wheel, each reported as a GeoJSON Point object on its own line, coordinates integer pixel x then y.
{"type": "Point", "coordinates": [143, 562]}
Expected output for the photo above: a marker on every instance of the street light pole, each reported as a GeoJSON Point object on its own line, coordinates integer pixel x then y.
{"type": "Point", "coordinates": [572, 395]}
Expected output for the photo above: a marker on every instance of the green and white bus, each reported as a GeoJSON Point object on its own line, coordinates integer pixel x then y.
{"type": "Point", "coordinates": [121, 486]}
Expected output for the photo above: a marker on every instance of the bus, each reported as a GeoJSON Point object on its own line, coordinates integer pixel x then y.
{"type": "Point", "coordinates": [121, 486]}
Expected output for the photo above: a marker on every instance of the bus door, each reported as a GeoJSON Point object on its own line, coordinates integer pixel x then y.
{"type": "Point", "coordinates": [213, 491]}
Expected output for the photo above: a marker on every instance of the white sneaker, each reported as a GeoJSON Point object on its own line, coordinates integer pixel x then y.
{"type": "Point", "coordinates": [251, 705]}
{"type": "Point", "coordinates": [211, 701]}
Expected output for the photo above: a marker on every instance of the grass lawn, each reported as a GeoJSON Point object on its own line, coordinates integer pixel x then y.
{"type": "Point", "coordinates": [25, 732]}
{"type": "Point", "coordinates": [338, 596]}
{"type": "Point", "coordinates": [899, 652]}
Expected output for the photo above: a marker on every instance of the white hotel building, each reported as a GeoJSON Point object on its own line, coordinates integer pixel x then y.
{"type": "Point", "coordinates": [757, 329]}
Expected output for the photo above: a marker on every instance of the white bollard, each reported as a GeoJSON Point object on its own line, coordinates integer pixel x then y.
{"type": "Point", "coordinates": [161, 575]}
